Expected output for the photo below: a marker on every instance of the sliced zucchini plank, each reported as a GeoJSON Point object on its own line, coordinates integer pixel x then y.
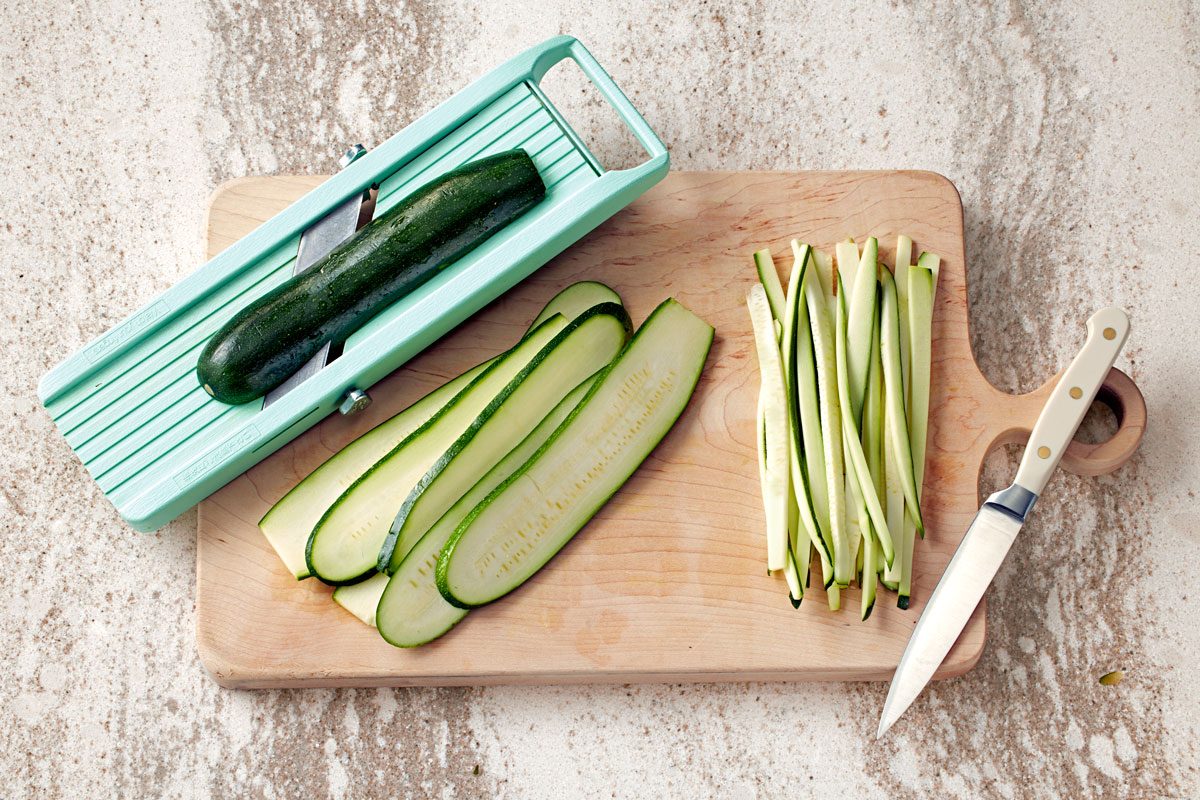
{"type": "Point", "coordinates": [576, 299]}
{"type": "Point", "coordinates": [775, 419]}
{"type": "Point", "coordinates": [411, 611]}
{"type": "Point", "coordinates": [539, 508]}
{"type": "Point", "coordinates": [360, 599]}
{"type": "Point", "coordinates": [344, 545]}
{"type": "Point", "coordinates": [583, 348]}
{"type": "Point", "coordinates": [289, 522]}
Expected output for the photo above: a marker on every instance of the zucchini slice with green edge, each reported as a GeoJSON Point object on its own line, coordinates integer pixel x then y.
{"type": "Point", "coordinates": [576, 299]}
{"type": "Point", "coordinates": [411, 611]}
{"type": "Point", "coordinates": [525, 521]}
{"type": "Point", "coordinates": [345, 542]}
{"type": "Point", "coordinates": [288, 524]}
{"type": "Point", "coordinates": [582, 349]}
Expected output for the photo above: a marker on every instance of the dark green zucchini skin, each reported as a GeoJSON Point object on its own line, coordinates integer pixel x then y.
{"type": "Point", "coordinates": [425, 232]}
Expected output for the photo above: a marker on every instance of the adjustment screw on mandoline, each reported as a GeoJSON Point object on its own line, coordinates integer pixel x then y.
{"type": "Point", "coordinates": [354, 401]}
{"type": "Point", "coordinates": [351, 155]}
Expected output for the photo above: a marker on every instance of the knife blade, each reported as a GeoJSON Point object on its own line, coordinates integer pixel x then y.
{"type": "Point", "coordinates": [315, 243]}
{"type": "Point", "coordinates": [999, 520]}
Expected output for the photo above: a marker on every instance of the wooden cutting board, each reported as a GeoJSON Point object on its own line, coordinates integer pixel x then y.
{"type": "Point", "coordinates": [668, 582]}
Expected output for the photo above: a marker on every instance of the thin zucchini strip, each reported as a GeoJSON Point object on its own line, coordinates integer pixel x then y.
{"type": "Point", "coordinates": [903, 261]}
{"type": "Point", "coordinates": [870, 576]}
{"type": "Point", "coordinates": [922, 289]}
{"type": "Point", "coordinates": [847, 257]}
{"type": "Point", "coordinates": [862, 306]}
{"type": "Point", "coordinates": [873, 411]}
{"type": "Point", "coordinates": [812, 445]}
{"type": "Point", "coordinates": [817, 294]}
{"type": "Point", "coordinates": [857, 462]}
{"type": "Point", "coordinates": [768, 276]}
{"type": "Point", "coordinates": [833, 597]}
{"type": "Point", "coordinates": [530, 517]}
{"type": "Point", "coordinates": [858, 521]}
{"type": "Point", "coordinates": [894, 499]}
{"type": "Point", "coordinates": [792, 574]}
{"type": "Point", "coordinates": [793, 511]}
{"type": "Point", "coordinates": [770, 367]}
{"type": "Point", "coordinates": [871, 433]}
{"type": "Point", "coordinates": [761, 428]}
{"type": "Point", "coordinates": [894, 494]}
{"type": "Point", "coordinates": [801, 395]}
{"type": "Point", "coordinates": [889, 342]}
{"type": "Point", "coordinates": [873, 445]}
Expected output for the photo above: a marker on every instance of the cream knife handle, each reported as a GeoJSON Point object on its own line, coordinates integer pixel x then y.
{"type": "Point", "coordinates": [1072, 397]}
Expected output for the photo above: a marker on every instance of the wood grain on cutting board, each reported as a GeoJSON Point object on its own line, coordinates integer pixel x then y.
{"type": "Point", "coordinates": [667, 583]}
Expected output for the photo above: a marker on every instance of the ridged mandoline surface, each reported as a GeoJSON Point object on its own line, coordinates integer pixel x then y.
{"type": "Point", "coordinates": [141, 417]}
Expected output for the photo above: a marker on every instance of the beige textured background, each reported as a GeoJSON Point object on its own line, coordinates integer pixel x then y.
{"type": "Point", "coordinates": [1070, 129]}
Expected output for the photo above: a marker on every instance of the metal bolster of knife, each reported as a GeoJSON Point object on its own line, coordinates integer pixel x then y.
{"type": "Point", "coordinates": [1015, 501]}
{"type": "Point", "coordinates": [315, 243]}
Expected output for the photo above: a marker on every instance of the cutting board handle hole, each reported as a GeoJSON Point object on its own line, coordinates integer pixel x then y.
{"type": "Point", "coordinates": [1102, 422]}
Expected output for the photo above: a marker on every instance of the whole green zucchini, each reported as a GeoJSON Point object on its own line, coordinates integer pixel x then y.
{"type": "Point", "coordinates": [425, 232]}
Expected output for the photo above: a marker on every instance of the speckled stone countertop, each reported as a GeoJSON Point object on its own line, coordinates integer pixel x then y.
{"type": "Point", "coordinates": [1069, 127]}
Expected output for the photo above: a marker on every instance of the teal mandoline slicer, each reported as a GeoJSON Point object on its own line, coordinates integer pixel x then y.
{"type": "Point", "coordinates": [129, 403]}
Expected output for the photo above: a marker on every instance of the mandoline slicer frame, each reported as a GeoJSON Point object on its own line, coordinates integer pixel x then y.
{"type": "Point", "coordinates": [129, 403]}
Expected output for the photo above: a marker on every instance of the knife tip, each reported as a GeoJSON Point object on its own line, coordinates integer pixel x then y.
{"type": "Point", "coordinates": [886, 720]}
{"type": "Point", "coordinates": [885, 725]}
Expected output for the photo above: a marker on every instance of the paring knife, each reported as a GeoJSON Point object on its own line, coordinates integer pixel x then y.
{"type": "Point", "coordinates": [315, 243]}
{"type": "Point", "coordinates": [999, 520]}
